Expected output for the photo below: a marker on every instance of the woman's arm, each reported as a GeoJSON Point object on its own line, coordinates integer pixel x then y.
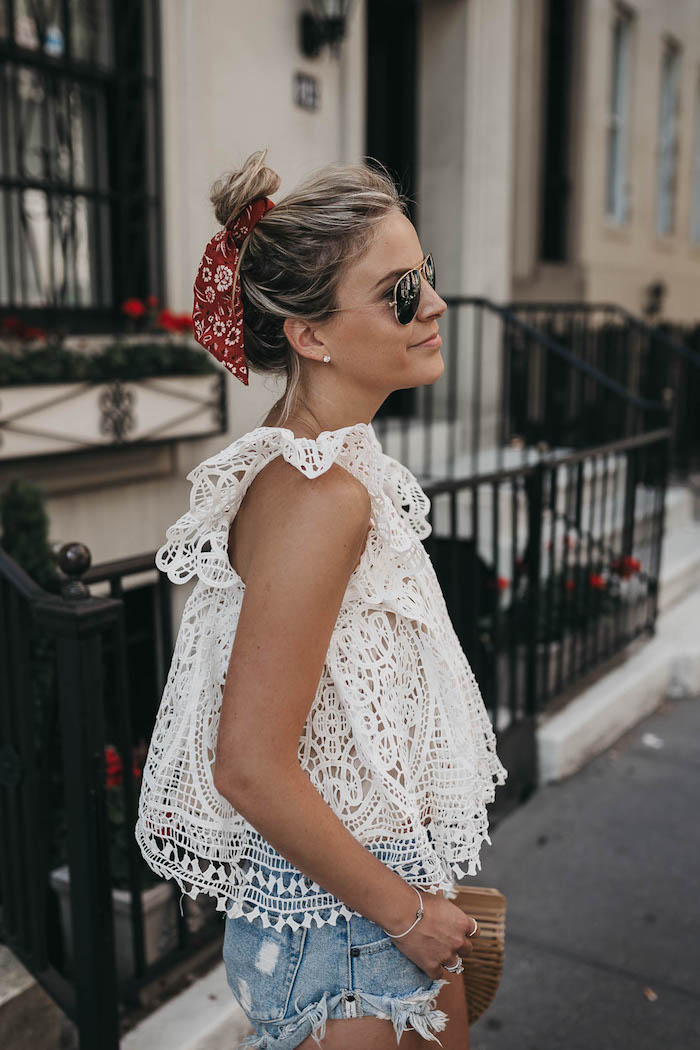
{"type": "Point", "coordinates": [296, 579]}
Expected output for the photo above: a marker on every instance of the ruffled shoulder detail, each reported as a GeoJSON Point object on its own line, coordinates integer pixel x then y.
{"type": "Point", "coordinates": [408, 497]}
{"type": "Point", "coordinates": [197, 543]}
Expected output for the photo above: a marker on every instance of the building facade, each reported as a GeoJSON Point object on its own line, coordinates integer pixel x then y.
{"type": "Point", "coordinates": [551, 149]}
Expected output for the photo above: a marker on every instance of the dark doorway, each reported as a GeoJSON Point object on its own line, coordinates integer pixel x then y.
{"type": "Point", "coordinates": [392, 32]}
{"type": "Point", "coordinates": [392, 27]}
{"type": "Point", "coordinates": [556, 182]}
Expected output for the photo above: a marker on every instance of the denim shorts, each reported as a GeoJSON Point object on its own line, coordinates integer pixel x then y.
{"type": "Point", "coordinates": [290, 982]}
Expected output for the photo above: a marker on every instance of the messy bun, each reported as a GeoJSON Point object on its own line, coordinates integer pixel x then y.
{"type": "Point", "coordinates": [292, 262]}
{"type": "Point", "coordinates": [234, 189]}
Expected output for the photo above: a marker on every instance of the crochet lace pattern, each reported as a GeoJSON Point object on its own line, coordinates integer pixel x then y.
{"type": "Point", "coordinates": [397, 741]}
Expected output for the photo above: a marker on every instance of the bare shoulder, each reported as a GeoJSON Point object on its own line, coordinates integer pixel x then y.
{"type": "Point", "coordinates": [286, 513]}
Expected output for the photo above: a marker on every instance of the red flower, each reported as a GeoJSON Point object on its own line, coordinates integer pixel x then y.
{"type": "Point", "coordinates": [133, 308]}
{"type": "Point", "coordinates": [33, 333]}
{"type": "Point", "coordinates": [570, 584]}
{"type": "Point", "coordinates": [152, 302]}
{"type": "Point", "coordinates": [113, 764]}
{"type": "Point", "coordinates": [12, 323]}
{"type": "Point", "coordinates": [115, 769]}
{"type": "Point", "coordinates": [501, 582]}
{"type": "Point", "coordinates": [186, 323]}
{"type": "Point", "coordinates": [168, 320]}
{"type": "Point", "coordinates": [597, 581]}
{"type": "Point", "coordinates": [626, 566]}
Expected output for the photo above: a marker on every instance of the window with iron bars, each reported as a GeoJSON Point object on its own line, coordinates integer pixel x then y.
{"type": "Point", "coordinates": [80, 160]}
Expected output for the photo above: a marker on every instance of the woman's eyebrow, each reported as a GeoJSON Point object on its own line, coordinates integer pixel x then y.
{"type": "Point", "coordinates": [394, 273]}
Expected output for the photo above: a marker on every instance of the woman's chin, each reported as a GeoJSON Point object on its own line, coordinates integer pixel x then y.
{"type": "Point", "coordinates": [429, 368]}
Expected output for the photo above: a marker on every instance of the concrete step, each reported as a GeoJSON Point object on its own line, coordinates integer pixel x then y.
{"type": "Point", "coordinates": [680, 564]}
{"type": "Point", "coordinates": [203, 1017]}
{"type": "Point", "coordinates": [28, 1016]}
{"type": "Point", "coordinates": [666, 665]}
{"type": "Point", "coordinates": [680, 506]}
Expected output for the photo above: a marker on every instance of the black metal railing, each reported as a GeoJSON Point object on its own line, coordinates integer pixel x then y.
{"type": "Point", "coordinates": [653, 362]}
{"type": "Point", "coordinates": [510, 392]}
{"type": "Point", "coordinates": [548, 571]}
{"type": "Point", "coordinates": [549, 567]}
{"type": "Point", "coordinates": [79, 907]}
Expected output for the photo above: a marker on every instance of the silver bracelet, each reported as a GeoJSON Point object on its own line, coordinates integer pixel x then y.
{"type": "Point", "coordinates": [419, 916]}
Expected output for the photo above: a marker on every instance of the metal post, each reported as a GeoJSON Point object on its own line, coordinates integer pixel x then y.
{"type": "Point", "coordinates": [535, 488]}
{"type": "Point", "coordinates": [77, 621]}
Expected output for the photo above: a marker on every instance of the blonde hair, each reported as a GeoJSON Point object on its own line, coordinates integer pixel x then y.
{"type": "Point", "coordinates": [294, 259]}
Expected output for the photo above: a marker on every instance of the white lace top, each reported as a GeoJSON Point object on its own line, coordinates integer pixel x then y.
{"type": "Point", "coordinates": [397, 739]}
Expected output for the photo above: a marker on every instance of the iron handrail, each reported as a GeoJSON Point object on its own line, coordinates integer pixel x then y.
{"type": "Point", "coordinates": [546, 341]}
{"type": "Point", "coordinates": [559, 307]}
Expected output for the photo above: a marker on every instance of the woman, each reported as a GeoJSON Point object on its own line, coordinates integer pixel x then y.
{"type": "Point", "coordinates": [322, 758]}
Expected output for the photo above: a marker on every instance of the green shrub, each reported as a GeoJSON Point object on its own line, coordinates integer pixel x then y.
{"type": "Point", "coordinates": [20, 367]}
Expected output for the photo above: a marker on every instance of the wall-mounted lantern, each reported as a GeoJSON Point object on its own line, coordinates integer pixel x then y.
{"type": "Point", "coordinates": [654, 293]}
{"type": "Point", "coordinates": [324, 24]}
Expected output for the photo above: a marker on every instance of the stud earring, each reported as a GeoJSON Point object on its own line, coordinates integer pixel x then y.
{"type": "Point", "coordinates": [326, 357]}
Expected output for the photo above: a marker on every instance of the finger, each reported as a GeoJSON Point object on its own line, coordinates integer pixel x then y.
{"type": "Point", "coordinates": [475, 930]}
{"type": "Point", "coordinates": [452, 963]}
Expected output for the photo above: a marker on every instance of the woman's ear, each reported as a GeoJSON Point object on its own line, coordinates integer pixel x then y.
{"type": "Point", "coordinates": [302, 337]}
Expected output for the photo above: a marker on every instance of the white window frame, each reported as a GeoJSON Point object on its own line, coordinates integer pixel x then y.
{"type": "Point", "coordinates": [695, 211]}
{"type": "Point", "coordinates": [667, 149]}
{"type": "Point", "coordinates": [617, 186]}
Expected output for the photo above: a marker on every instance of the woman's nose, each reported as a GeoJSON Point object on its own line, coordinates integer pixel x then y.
{"type": "Point", "coordinates": [431, 304]}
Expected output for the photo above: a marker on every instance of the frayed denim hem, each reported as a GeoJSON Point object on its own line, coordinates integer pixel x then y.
{"type": "Point", "coordinates": [417, 1009]}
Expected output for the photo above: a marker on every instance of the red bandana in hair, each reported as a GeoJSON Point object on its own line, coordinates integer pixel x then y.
{"type": "Point", "coordinates": [218, 311]}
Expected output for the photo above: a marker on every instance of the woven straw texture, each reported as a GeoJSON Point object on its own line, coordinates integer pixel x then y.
{"type": "Point", "coordinates": [484, 965]}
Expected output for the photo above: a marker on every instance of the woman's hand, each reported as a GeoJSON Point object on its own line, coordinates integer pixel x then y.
{"type": "Point", "coordinates": [437, 938]}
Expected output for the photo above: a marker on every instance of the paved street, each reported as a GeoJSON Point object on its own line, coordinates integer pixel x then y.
{"type": "Point", "coordinates": [602, 876]}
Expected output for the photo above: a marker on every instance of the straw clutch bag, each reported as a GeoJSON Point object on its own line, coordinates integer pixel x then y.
{"type": "Point", "coordinates": [483, 967]}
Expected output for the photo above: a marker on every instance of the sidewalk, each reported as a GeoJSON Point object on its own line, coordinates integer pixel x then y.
{"type": "Point", "coordinates": [602, 876]}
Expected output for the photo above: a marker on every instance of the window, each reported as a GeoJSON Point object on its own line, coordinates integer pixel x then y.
{"type": "Point", "coordinates": [695, 215]}
{"type": "Point", "coordinates": [617, 191]}
{"type": "Point", "coordinates": [80, 198]}
{"type": "Point", "coordinates": [668, 139]}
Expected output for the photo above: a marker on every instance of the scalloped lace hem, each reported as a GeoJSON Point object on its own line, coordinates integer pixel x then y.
{"type": "Point", "coordinates": [236, 901]}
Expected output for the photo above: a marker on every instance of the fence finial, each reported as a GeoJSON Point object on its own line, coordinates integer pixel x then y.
{"type": "Point", "coordinates": [74, 559]}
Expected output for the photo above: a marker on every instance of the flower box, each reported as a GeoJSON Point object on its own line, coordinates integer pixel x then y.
{"type": "Point", "coordinates": [50, 418]}
{"type": "Point", "coordinates": [160, 921]}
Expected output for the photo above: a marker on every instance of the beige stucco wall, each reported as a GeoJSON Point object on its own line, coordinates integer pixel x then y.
{"type": "Point", "coordinates": [608, 262]}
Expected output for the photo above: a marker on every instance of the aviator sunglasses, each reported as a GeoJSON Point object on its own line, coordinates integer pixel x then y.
{"type": "Point", "coordinates": [406, 292]}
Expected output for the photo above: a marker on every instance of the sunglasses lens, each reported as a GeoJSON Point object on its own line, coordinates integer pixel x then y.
{"type": "Point", "coordinates": [408, 296]}
{"type": "Point", "coordinates": [430, 271]}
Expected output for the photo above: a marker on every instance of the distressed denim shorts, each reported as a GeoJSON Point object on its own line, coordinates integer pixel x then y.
{"type": "Point", "coordinates": [290, 982]}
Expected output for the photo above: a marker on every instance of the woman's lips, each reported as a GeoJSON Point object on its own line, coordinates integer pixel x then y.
{"type": "Point", "coordinates": [429, 344]}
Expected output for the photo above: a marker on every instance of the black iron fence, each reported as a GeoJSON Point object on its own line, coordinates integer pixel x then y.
{"type": "Point", "coordinates": [549, 568]}
{"type": "Point", "coordinates": [512, 390]}
{"type": "Point", "coordinates": [78, 905]}
{"type": "Point", "coordinates": [548, 571]}
{"type": "Point", "coordinates": [656, 362]}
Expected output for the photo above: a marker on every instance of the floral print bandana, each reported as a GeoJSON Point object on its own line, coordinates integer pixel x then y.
{"type": "Point", "coordinates": [218, 311]}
